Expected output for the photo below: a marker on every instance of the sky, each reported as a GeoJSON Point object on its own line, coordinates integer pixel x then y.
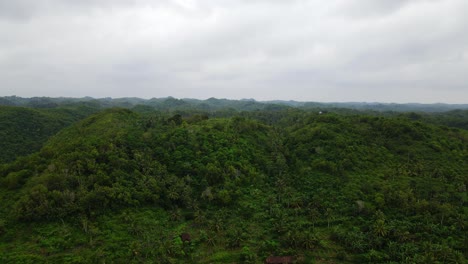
{"type": "Point", "coordinates": [306, 50]}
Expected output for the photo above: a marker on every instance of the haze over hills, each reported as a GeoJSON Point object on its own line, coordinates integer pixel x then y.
{"type": "Point", "coordinates": [214, 103]}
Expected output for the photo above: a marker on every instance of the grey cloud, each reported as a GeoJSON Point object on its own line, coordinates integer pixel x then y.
{"type": "Point", "coordinates": [17, 10]}
{"type": "Point", "coordinates": [365, 8]}
{"type": "Point", "coordinates": [337, 50]}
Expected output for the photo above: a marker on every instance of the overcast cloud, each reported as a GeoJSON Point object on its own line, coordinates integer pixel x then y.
{"type": "Point", "coordinates": [336, 50]}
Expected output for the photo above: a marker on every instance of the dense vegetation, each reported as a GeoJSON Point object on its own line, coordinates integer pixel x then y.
{"type": "Point", "coordinates": [24, 130]}
{"type": "Point", "coordinates": [338, 187]}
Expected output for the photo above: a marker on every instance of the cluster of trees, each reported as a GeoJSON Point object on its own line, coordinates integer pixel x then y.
{"type": "Point", "coordinates": [214, 104]}
{"type": "Point", "coordinates": [24, 130]}
{"type": "Point", "coordinates": [123, 185]}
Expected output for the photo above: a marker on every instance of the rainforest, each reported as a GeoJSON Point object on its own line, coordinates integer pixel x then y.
{"type": "Point", "coordinates": [224, 181]}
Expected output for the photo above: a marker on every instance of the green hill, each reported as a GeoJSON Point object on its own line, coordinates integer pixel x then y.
{"type": "Point", "coordinates": [121, 186]}
{"type": "Point", "coordinates": [24, 130]}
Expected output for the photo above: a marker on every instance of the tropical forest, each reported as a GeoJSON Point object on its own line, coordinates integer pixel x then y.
{"type": "Point", "coordinates": [168, 180]}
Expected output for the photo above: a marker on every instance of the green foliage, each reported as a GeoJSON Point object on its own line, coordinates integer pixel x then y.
{"type": "Point", "coordinates": [122, 186]}
{"type": "Point", "coordinates": [24, 131]}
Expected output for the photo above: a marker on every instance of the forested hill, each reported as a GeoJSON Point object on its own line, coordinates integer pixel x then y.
{"type": "Point", "coordinates": [122, 185]}
{"type": "Point", "coordinates": [27, 123]}
{"type": "Point", "coordinates": [215, 104]}
{"type": "Point", "coordinates": [24, 130]}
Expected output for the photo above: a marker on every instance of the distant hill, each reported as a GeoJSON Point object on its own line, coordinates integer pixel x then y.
{"type": "Point", "coordinates": [214, 104]}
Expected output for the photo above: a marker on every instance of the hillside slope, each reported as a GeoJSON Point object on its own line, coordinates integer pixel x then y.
{"type": "Point", "coordinates": [23, 130]}
{"type": "Point", "coordinates": [122, 186]}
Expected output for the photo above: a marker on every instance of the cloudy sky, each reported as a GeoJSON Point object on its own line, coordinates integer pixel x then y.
{"type": "Point", "coordinates": [307, 50]}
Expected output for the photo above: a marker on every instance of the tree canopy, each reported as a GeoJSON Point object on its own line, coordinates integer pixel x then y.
{"type": "Point", "coordinates": [120, 185]}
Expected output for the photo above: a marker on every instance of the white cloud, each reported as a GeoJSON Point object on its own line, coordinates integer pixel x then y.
{"type": "Point", "coordinates": [342, 50]}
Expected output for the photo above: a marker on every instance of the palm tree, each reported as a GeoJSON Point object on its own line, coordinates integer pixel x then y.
{"type": "Point", "coordinates": [379, 228]}
{"type": "Point", "coordinates": [199, 217]}
{"type": "Point", "coordinates": [175, 215]}
{"type": "Point", "coordinates": [211, 239]}
{"type": "Point", "coordinates": [310, 240]}
{"type": "Point", "coordinates": [173, 194]}
{"type": "Point", "coordinates": [235, 238]}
